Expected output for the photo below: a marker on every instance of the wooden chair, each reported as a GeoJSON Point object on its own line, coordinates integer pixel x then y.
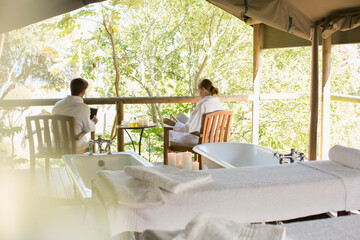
{"type": "Point", "coordinates": [215, 127]}
{"type": "Point", "coordinates": [50, 136]}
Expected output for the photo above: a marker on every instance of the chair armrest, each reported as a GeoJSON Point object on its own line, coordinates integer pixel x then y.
{"type": "Point", "coordinates": [80, 135]}
{"type": "Point", "coordinates": [196, 134]}
{"type": "Point", "coordinates": [167, 127]}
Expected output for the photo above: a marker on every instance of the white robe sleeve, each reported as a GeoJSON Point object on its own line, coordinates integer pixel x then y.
{"type": "Point", "coordinates": [194, 123]}
{"type": "Point", "coordinates": [88, 125]}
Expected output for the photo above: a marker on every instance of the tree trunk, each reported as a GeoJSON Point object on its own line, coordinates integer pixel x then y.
{"type": "Point", "coordinates": [115, 59]}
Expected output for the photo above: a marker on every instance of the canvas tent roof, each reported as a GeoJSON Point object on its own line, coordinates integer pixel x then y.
{"type": "Point", "coordinates": [298, 17]}
{"type": "Point", "coordinates": [19, 13]}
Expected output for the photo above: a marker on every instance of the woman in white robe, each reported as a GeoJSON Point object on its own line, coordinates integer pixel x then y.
{"type": "Point", "coordinates": [209, 103]}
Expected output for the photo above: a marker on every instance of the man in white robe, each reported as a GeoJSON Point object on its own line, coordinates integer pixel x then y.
{"type": "Point", "coordinates": [73, 105]}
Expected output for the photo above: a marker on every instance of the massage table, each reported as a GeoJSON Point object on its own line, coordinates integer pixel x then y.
{"type": "Point", "coordinates": [247, 194]}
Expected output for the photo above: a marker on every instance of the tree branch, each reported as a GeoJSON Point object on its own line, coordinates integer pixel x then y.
{"type": "Point", "coordinates": [115, 59]}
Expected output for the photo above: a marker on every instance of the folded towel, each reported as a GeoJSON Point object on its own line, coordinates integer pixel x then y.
{"type": "Point", "coordinates": [129, 191]}
{"type": "Point", "coordinates": [210, 227]}
{"type": "Point", "coordinates": [347, 156]}
{"type": "Point", "coordinates": [169, 178]}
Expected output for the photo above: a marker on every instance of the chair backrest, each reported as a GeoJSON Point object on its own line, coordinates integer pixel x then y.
{"type": "Point", "coordinates": [215, 127]}
{"type": "Point", "coordinates": [51, 136]}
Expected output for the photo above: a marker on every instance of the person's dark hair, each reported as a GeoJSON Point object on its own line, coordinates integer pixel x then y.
{"type": "Point", "coordinates": [77, 85]}
{"type": "Point", "coordinates": [207, 84]}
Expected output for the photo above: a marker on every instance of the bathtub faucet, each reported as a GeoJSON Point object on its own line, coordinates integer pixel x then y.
{"type": "Point", "coordinates": [99, 141]}
{"type": "Point", "coordinates": [293, 156]}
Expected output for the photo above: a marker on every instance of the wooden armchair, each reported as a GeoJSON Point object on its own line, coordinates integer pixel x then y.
{"type": "Point", "coordinates": [50, 136]}
{"type": "Point", "coordinates": [215, 127]}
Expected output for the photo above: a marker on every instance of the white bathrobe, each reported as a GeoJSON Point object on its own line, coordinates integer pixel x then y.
{"type": "Point", "coordinates": [74, 106]}
{"type": "Point", "coordinates": [181, 131]}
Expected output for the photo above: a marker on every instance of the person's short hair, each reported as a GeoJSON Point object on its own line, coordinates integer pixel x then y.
{"type": "Point", "coordinates": [77, 85]}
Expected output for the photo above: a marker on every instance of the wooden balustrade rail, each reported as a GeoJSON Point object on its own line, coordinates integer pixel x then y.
{"type": "Point", "coordinates": [145, 100]}
{"type": "Point", "coordinates": [120, 101]}
{"type": "Point", "coordinates": [345, 98]}
{"type": "Point", "coordinates": [124, 100]}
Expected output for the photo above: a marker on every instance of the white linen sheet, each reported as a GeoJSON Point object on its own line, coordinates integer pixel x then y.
{"type": "Point", "coordinates": [128, 191]}
{"type": "Point", "coordinates": [341, 228]}
{"type": "Point", "coordinates": [247, 194]}
{"type": "Point", "coordinates": [210, 227]}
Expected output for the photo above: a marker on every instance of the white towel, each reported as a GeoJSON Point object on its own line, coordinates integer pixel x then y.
{"type": "Point", "coordinates": [349, 176]}
{"type": "Point", "coordinates": [211, 227]}
{"type": "Point", "coordinates": [347, 156]}
{"type": "Point", "coordinates": [129, 191]}
{"type": "Point", "coordinates": [169, 178]}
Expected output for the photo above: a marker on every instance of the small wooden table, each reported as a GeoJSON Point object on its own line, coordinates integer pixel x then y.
{"type": "Point", "coordinates": [125, 127]}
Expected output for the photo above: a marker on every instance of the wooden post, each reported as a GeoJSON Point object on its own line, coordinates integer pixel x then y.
{"type": "Point", "coordinates": [256, 83]}
{"type": "Point", "coordinates": [314, 95]}
{"type": "Point", "coordinates": [325, 100]}
{"type": "Point", "coordinates": [120, 132]}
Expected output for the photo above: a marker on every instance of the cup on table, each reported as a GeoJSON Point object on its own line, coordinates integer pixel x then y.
{"type": "Point", "coordinates": [146, 122]}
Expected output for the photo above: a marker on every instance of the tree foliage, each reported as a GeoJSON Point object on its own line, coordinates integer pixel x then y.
{"type": "Point", "coordinates": [135, 48]}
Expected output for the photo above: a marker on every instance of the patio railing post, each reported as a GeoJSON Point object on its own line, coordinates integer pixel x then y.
{"type": "Point", "coordinates": [325, 99]}
{"type": "Point", "coordinates": [256, 84]}
{"type": "Point", "coordinates": [120, 132]}
{"type": "Point", "coordinates": [314, 95]}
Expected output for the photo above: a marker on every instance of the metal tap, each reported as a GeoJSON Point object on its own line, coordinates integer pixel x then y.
{"type": "Point", "coordinates": [293, 156]}
{"type": "Point", "coordinates": [99, 141]}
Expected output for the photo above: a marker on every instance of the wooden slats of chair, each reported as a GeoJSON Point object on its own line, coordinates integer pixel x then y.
{"type": "Point", "coordinates": [215, 127]}
{"type": "Point", "coordinates": [66, 146]}
{"type": "Point", "coordinates": [47, 137]}
{"type": "Point", "coordinates": [55, 137]}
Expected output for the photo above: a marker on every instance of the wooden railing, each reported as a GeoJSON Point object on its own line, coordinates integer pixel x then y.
{"type": "Point", "coordinates": [345, 98]}
{"type": "Point", "coordinates": [121, 101]}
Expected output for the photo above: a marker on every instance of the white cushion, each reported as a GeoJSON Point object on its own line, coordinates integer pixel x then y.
{"type": "Point", "coordinates": [347, 156]}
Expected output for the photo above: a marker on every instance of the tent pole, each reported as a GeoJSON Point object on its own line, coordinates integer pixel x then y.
{"type": "Point", "coordinates": [314, 95]}
{"type": "Point", "coordinates": [325, 99]}
{"type": "Point", "coordinates": [256, 83]}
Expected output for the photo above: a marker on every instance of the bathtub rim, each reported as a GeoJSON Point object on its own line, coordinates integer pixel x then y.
{"type": "Point", "coordinates": [198, 149]}
{"type": "Point", "coordinates": [86, 193]}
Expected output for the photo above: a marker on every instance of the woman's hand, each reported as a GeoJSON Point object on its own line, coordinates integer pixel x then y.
{"type": "Point", "coordinates": [168, 122]}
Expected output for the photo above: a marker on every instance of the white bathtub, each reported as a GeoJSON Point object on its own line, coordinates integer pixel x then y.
{"type": "Point", "coordinates": [83, 167]}
{"type": "Point", "coordinates": [230, 155]}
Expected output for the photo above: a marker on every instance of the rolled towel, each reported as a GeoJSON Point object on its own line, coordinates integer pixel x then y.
{"type": "Point", "coordinates": [211, 227]}
{"type": "Point", "coordinates": [129, 191]}
{"type": "Point", "coordinates": [169, 178]}
{"type": "Point", "coordinates": [347, 156]}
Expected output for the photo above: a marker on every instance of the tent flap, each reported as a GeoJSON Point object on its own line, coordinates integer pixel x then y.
{"type": "Point", "coordinates": [275, 13]}
{"type": "Point", "coordinates": [20, 13]}
{"type": "Point", "coordinates": [341, 23]}
{"type": "Point", "coordinates": [296, 17]}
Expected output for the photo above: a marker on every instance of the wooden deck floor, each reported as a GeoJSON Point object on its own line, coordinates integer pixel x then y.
{"type": "Point", "coordinates": [61, 184]}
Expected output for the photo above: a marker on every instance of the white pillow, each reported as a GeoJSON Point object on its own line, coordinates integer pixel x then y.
{"type": "Point", "coordinates": [347, 156]}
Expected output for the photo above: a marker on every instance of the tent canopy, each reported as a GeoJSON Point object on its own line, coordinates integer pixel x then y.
{"type": "Point", "coordinates": [298, 18]}
{"type": "Point", "coordinates": [20, 13]}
